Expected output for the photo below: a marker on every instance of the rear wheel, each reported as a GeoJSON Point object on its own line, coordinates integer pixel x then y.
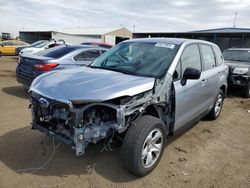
{"type": "Point", "coordinates": [143, 145]}
{"type": "Point", "coordinates": [246, 91]}
{"type": "Point", "coordinates": [217, 107]}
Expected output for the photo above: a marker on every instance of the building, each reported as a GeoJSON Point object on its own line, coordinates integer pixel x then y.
{"type": "Point", "coordinates": [223, 37]}
{"type": "Point", "coordinates": [79, 35]}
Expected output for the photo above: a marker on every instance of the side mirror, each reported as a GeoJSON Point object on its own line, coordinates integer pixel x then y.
{"type": "Point", "coordinates": [190, 74]}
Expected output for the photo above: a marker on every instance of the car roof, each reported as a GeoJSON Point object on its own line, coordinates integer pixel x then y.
{"type": "Point", "coordinates": [177, 41]}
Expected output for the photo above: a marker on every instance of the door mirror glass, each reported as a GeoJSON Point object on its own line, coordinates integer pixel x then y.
{"type": "Point", "coordinates": [190, 74]}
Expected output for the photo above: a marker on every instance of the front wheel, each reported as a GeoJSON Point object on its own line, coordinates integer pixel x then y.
{"type": "Point", "coordinates": [143, 145]}
{"type": "Point", "coordinates": [217, 107]}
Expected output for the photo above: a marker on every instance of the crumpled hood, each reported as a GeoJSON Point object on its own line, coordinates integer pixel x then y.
{"type": "Point", "coordinates": [85, 84]}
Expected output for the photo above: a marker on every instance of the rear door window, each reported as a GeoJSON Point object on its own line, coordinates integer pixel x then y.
{"type": "Point", "coordinates": [208, 57]}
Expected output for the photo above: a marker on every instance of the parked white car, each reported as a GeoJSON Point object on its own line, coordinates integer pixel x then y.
{"type": "Point", "coordinates": [41, 47]}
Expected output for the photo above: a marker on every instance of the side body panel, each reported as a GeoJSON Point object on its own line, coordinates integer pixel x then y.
{"type": "Point", "coordinates": [197, 96]}
{"type": "Point", "coordinates": [190, 101]}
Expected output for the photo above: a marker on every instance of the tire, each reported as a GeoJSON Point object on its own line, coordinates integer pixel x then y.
{"type": "Point", "coordinates": [137, 145]}
{"type": "Point", "coordinates": [217, 107]}
{"type": "Point", "coordinates": [246, 91]}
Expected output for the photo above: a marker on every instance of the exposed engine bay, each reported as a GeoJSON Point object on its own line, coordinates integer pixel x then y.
{"type": "Point", "coordinates": [79, 124]}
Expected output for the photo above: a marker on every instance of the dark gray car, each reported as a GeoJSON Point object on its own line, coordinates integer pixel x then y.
{"type": "Point", "coordinates": [62, 57]}
{"type": "Point", "coordinates": [238, 60]}
{"type": "Point", "coordinates": [140, 92]}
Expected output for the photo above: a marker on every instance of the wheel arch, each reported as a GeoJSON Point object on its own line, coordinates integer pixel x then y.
{"type": "Point", "coordinates": [154, 110]}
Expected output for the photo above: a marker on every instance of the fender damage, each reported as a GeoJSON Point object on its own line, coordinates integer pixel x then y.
{"type": "Point", "coordinates": [80, 122]}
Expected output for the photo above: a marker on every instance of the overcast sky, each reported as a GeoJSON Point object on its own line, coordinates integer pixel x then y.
{"type": "Point", "coordinates": [146, 15]}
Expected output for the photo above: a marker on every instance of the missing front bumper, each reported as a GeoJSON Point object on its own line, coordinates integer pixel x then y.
{"type": "Point", "coordinates": [48, 132]}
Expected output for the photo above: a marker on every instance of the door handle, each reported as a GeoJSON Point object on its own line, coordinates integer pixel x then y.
{"type": "Point", "coordinates": [203, 81]}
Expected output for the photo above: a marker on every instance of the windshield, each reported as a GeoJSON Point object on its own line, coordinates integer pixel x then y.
{"type": "Point", "coordinates": [237, 55]}
{"type": "Point", "coordinates": [148, 59]}
{"type": "Point", "coordinates": [35, 44]}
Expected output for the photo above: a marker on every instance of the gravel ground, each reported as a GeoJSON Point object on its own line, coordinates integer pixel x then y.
{"type": "Point", "coordinates": [211, 154]}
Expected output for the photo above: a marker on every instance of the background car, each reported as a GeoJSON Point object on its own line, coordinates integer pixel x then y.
{"type": "Point", "coordinates": [8, 47]}
{"type": "Point", "coordinates": [61, 57]}
{"type": "Point", "coordinates": [5, 36]}
{"type": "Point", "coordinates": [238, 60]}
{"type": "Point", "coordinates": [99, 44]}
{"type": "Point", "coordinates": [18, 49]}
{"type": "Point", "coordinates": [43, 46]}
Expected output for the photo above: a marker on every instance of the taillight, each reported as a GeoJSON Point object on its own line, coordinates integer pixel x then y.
{"type": "Point", "coordinates": [45, 67]}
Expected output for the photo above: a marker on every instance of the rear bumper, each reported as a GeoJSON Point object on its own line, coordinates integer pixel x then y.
{"type": "Point", "coordinates": [24, 79]}
{"type": "Point", "coordinates": [238, 80]}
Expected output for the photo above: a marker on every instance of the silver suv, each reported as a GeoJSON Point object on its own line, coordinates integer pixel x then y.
{"type": "Point", "coordinates": [141, 92]}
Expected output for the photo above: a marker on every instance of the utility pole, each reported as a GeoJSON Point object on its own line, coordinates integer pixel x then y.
{"type": "Point", "coordinates": [235, 19]}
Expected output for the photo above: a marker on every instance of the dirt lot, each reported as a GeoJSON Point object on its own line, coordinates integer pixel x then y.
{"type": "Point", "coordinates": [211, 154]}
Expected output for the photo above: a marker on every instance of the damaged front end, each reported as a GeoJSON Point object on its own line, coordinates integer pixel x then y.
{"type": "Point", "coordinates": [88, 111]}
{"type": "Point", "coordinates": [80, 124]}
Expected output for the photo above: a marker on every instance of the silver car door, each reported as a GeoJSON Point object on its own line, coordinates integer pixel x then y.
{"type": "Point", "coordinates": [210, 73]}
{"type": "Point", "coordinates": [190, 97]}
